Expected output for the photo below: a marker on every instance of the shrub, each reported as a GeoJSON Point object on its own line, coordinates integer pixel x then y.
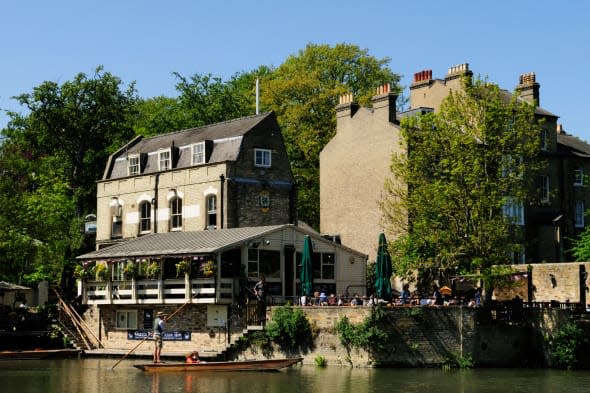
{"type": "Point", "coordinates": [565, 346]}
{"type": "Point", "coordinates": [370, 334]}
{"type": "Point", "coordinates": [320, 361]}
{"type": "Point", "coordinates": [289, 328]}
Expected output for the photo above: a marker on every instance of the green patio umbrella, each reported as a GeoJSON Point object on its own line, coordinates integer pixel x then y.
{"type": "Point", "coordinates": [306, 276]}
{"type": "Point", "coordinates": [383, 270]}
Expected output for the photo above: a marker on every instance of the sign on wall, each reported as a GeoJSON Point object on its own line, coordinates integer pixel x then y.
{"type": "Point", "coordinates": [216, 315]}
{"type": "Point", "coordinates": [166, 335]}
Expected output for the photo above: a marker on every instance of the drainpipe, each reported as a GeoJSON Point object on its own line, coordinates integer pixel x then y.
{"type": "Point", "coordinates": [221, 204]}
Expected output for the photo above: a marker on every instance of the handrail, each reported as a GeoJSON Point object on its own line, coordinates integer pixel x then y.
{"type": "Point", "coordinates": [83, 329]}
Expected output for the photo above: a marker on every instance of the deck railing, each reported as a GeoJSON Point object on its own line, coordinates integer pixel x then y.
{"type": "Point", "coordinates": [165, 291]}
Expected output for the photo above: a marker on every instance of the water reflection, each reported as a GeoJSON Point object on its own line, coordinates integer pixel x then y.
{"type": "Point", "coordinates": [98, 376]}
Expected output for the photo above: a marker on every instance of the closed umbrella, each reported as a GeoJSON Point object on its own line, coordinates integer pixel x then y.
{"type": "Point", "coordinates": [306, 276]}
{"type": "Point", "coordinates": [383, 270]}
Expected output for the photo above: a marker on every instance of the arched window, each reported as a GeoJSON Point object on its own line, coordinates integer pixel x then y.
{"type": "Point", "coordinates": [175, 214]}
{"type": "Point", "coordinates": [145, 217]}
{"type": "Point", "coordinates": [116, 219]}
{"type": "Point", "coordinates": [211, 212]}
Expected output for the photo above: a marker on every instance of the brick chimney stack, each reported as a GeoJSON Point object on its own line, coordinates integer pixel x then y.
{"type": "Point", "coordinates": [384, 103]}
{"type": "Point", "coordinates": [458, 71]}
{"type": "Point", "coordinates": [346, 106]}
{"type": "Point", "coordinates": [528, 88]}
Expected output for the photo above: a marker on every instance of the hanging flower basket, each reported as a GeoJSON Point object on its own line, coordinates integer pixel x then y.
{"type": "Point", "coordinates": [101, 272]}
{"type": "Point", "coordinates": [130, 270]}
{"type": "Point", "coordinates": [181, 268]}
{"type": "Point", "coordinates": [153, 270]}
{"type": "Point", "coordinates": [209, 269]}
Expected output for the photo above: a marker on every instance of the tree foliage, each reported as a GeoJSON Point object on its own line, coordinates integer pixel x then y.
{"type": "Point", "coordinates": [463, 166]}
{"type": "Point", "coordinates": [304, 91]}
{"type": "Point", "coordinates": [50, 160]}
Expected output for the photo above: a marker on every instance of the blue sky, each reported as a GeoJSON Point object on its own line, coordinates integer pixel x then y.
{"type": "Point", "coordinates": [145, 41]}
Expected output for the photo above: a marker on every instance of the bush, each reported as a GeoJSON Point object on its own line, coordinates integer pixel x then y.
{"type": "Point", "coordinates": [369, 334]}
{"type": "Point", "coordinates": [320, 361]}
{"type": "Point", "coordinates": [565, 346]}
{"type": "Point", "coordinates": [289, 328]}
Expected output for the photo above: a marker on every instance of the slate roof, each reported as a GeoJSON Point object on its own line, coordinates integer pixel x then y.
{"type": "Point", "coordinates": [195, 242]}
{"type": "Point", "coordinates": [8, 286]}
{"type": "Point", "coordinates": [226, 136]}
{"type": "Point", "coordinates": [573, 145]}
{"type": "Point", "coordinates": [181, 243]}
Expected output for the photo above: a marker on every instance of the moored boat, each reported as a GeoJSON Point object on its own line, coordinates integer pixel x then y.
{"type": "Point", "coordinates": [38, 354]}
{"type": "Point", "coordinates": [242, 365]}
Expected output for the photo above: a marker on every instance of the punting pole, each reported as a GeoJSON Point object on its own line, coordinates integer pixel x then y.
{"type": "Point", "coordinates": [142, 341]}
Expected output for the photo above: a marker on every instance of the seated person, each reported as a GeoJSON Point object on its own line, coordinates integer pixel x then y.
{"type": "Point", "coordinates": [404, 297]}
{"type": "Point", "coordinates": [316, 298]}
{"type": "Point", "coordinates": [193, 357]}
{"type": "Point", "coordinates": [303, 300]}
{"type": "Point", "coordinates": [332, 300]}
{"type": "Point", "coordinates": [323, 299]}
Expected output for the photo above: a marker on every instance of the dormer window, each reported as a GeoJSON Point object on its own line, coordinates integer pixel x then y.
{"type": "Point", "coordinates": [198, 153]}
{"type": "Point", "coordinates": [164, 161]}
{"type": "Point", "coordinates": [133, 167]}
{"type": "Point", "coordinates": [262, 158]}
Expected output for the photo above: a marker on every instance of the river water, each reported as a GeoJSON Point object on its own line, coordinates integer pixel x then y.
{"type": "Point", "coordinates": [99, 376]}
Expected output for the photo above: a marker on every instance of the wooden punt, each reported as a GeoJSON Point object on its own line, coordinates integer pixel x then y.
{"type": "Point", "coordinates": [38, 354]}
{"type": "Point", "coordinates": [243, 365]}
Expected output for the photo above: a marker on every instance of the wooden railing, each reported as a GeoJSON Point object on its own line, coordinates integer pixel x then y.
{"type": "Point", "coordinates": [69, 317]}
{"type": "Point", "coordinates": [200, 290]}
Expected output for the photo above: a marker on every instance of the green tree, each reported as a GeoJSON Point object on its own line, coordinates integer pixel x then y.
{"type": "Point", "coordinates": [50, 160]}
{"type": "Point", "coordinates": [304, 91]}
{"type": "Point", "coordinates": [581, 246]}
{"type": "Point", "coordinates": [463, 165]}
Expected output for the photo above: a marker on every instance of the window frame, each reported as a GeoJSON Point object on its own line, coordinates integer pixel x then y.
{"type": "Point", "coordinates": [126, 319]}
{"type": "Point", "coordinates": [133, 165]}
{"type": "Point", "coordinates": [579, 210]}
{"type": "Point", "coordinates": [261, 156]}
{"type": "Point", "coordinates": [211, 212]}
{"type": "Point", "coordinates": [545, 189]}
{"type": "Point", "coordinates": [176, 214]}
{"type": "Point", "coordinates": [514, 211]}
{"type": "Point", "coordinates": [167, 161]}
{"type": "Point", "coordinates": [145, 222]}
{"type": "Point", "coordinates": [578, 177]}
{"type": "Point", "coordinates": [544, 140]}
{"type": "Point", "coordinates": [116, 221]}
{"type": "Point", "coordinates": [201, 146]}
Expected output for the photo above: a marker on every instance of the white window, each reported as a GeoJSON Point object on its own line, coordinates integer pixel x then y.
{"type": "Point", "coordinates": [545, 189]}
{"type": "Point", "coordinates": [145, 217]}
{"type": "Point", "coordinates": [514, 211]}
{"type": "Point", "coordinates": [211, 212]}
{"type": "Point", "coordinates": [579, 214]}
{"type": "Point", "coordinates": [262, 158]}
{"type": "Point", "coordinates": [176, 214]}
{"type": "Point", "coordinates": [578, 176]}
{"type": "Point", "coordinates": [198, 153]}
{"type": "Point", "coordinates": [164, 162]}
{"type": "Point", "coordinates": [126, 319]}
{"type": "Point", "coordinates": [133, 167]}
{"type": "Point", "coordinates": [116, 219]}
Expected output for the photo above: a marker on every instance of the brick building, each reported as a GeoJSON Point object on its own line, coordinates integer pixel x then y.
{"type": "Point", "coordinates": [355, 163]}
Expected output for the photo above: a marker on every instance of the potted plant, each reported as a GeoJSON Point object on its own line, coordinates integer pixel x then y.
{"type": "Point", "coordinates": [101, 272]}
{"type": "Point", "coordinates": [153, 270]}
{"type": "Point", "coordinates": [130, 270]}
{"type": "Point", "coordinates": [209, 269]}
{"type": "Point", "coordinates": [181, 268]}
{"type": "Point", "coordinates": [83, 272]}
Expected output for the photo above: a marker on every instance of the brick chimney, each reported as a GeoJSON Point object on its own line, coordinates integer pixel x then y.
{"type": "Point", "coordinates": [458, 71]}
{"type": "Point", "coordinates": [528, 88]}
{"type": "Point", "coordinates": [346, 106]}
{"type": "Point", "coordinates": [422, 77]}
{"type": "Point", "coordinates": [384, 103]}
